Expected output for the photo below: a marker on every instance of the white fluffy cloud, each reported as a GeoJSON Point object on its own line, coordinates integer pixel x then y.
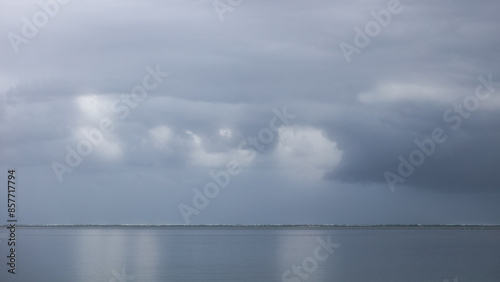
{"type": "Point", "coordinates": [306, 152]}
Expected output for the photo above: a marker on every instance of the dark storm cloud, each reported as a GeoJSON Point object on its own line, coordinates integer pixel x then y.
{"type": "Point", "coordinates": [466, 161]}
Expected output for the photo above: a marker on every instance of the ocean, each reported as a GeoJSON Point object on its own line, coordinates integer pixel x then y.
{"type": "Point", "coordinates": [253, 253]}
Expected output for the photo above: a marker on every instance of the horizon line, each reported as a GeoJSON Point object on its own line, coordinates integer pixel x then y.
{"type": "Point", "coordinates": [254, 225]}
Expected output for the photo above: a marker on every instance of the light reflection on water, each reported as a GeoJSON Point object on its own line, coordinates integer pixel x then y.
{"type": "Point", "coordinates": [252, 254]}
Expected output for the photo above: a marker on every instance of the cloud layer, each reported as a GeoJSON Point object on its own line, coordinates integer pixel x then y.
{"type": "Point", "coordinates": [352, 121]}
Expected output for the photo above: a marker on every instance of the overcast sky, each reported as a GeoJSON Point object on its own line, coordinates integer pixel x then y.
{"type": "Point", "coordinates": [251, 112]}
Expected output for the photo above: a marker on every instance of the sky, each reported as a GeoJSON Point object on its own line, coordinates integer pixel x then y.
{"type": "Point", "coordinates": [251, 112]}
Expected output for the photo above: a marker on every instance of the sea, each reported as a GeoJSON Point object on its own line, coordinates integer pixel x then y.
{"type": "Point", "coordinates": [252, 253]}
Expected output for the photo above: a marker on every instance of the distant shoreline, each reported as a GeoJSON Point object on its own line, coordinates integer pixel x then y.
{"type": "Point", "coordinates": [304, 226]}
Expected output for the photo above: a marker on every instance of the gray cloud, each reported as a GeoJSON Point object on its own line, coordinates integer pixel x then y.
{"type": "Point", "coordinates": [353, 119]}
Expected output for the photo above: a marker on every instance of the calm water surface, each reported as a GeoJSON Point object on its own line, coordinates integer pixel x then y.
{"type": "Point", "coordinates": [254, 254]}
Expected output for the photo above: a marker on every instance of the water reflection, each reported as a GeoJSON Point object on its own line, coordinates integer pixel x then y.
{"type": "Point", "coordinates": [254, 254]}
